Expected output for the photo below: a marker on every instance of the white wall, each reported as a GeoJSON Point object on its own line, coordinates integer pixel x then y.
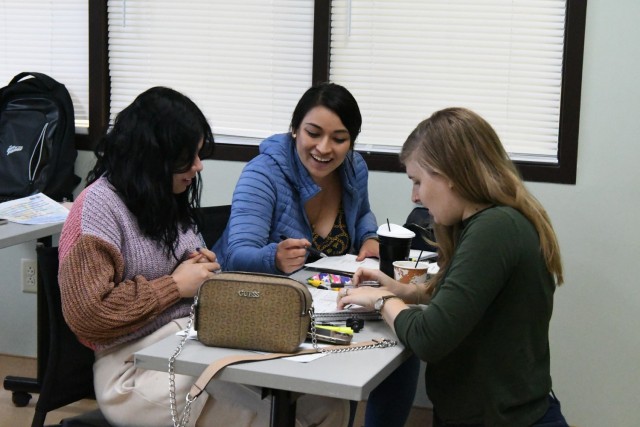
{"type": "Point", "coordinates": [595, 334]}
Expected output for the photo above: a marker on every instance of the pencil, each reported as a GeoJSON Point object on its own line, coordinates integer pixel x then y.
{"type": "Point", "coordinates": [309, 249]}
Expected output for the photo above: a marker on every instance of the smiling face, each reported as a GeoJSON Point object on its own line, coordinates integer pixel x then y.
{"type": "Point", "coordinates": [182, 180]}
{"type": "Point", "coordinates": [322, 142]}
{"type": "Point", "coordinates": [435, 192]}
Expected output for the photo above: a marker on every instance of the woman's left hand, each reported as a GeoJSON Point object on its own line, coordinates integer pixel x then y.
{"type": "Point", "coordinates": [409, 294]}
{"type": "Point", "coordinates": [365, 296]}
{"type": "Point", "coordinates": [370, 248]}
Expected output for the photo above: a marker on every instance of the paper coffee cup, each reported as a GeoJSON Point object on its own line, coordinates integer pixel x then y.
{"type": "Point", "coordinates": [408, 272]}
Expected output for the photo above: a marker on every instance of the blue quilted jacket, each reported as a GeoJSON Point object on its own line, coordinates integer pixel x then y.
{"type": "Point", "coordinates": [269, 201]}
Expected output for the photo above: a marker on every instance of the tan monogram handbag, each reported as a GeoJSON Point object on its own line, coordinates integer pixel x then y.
{"type": "Point", "coordinates": [253, 311]}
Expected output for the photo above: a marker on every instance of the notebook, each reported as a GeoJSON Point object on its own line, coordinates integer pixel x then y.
{"type": "Point", "coordinates": [343, 264]}
{"type": "Point", "coordinates": [324, 304]}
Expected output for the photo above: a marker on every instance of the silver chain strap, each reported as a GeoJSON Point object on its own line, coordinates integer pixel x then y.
{"type": "Point", "coordinates": [184, 418]}
{"type": "Point", "coordinates": [384, 343]}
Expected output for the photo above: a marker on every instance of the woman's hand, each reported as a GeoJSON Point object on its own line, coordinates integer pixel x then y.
{"type": "Point", "coordinates": [365, 296]}
{"type": "Point", "coordinates": [291, 254]}
{"type": "Point", "coordinates": [408, 293]}
{"type": "Point", "coordinates": [204, 255]}
{"type": "Point", "coordinates": [190, 274]}
{"type": "Point", "coordinates": [370, 248]}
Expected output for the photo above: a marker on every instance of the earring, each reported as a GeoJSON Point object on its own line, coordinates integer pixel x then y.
{"type": "Point", "coordinates": [293, 135]}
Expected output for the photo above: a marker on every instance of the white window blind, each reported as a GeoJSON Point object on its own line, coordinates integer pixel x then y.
{"type": "Point", "coordinates": [50, 37]}
{"type": "Point", "coordinates": [404, 60]}
{"type": "Point", "coordinates": [245, 63]}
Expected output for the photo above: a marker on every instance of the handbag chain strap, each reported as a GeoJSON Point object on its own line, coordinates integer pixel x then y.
{"type": "Point", "coordinates": [383, 343]}
{"type": "Point", "coordinates": [182, 419]}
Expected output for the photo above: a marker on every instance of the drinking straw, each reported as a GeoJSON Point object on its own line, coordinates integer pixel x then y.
{"type": "Point", "coordinates": [388, 225]}
{"type": "Point", "coordinates": [418, 260]}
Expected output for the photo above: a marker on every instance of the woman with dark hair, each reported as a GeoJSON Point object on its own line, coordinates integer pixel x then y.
{"type": "Point", "coordinates": [308, 185]}
{"type": "Point", "coordinates": [485, 334]}
{"type": "Point", "coordinates": [132, 259]}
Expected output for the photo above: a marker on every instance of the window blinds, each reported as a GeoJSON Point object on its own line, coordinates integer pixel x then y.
{"type": "Point", "coordinates": [245, 63]}
{"type": "Point", "coordinates": [49, 37]}
{"type": "Point", "coordinates": [404, 60]}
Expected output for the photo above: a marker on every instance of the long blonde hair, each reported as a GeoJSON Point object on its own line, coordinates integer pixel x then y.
{"type": "Point", "coordinates": [464, 148]}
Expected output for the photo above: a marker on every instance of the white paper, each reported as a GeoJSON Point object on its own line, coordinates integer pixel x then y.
{"type": "Point", "coordinates": [344, 263]}
{"type": "Point", "coordinates": [35, 209]}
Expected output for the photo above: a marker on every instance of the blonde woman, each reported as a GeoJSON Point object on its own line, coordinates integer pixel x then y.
{"type": "Point", "coordinates": [484, 334]}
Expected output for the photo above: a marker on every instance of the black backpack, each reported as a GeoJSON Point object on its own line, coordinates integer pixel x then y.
{"type": "Point", "coordinates": [37, 138]}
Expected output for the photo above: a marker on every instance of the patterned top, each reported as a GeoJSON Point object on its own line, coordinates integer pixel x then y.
{"type": "Point", "coordinates": [115, 282]}
{"type": "Point", "coordinates": [337, 241]}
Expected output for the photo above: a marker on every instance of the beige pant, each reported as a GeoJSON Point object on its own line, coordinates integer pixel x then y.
{"type": "Point", "coordinates": [132, 397]}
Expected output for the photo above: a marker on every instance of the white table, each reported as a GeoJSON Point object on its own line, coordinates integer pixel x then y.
{"type": "Point", "coordinates": [349, 376]}
{"type": "Point", "coordinates": [13, 234]}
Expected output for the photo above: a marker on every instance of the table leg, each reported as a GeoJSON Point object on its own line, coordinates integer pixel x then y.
{"type": "Point", "coordinates": [283, 408]}
{"type": "Point", "coordinates": [22, 386]}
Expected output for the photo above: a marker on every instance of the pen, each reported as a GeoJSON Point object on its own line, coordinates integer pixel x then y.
{"type": "Point", "coordinates": [310, 249]}
{"type": "Point", "coordinates": [317, 284]}
{"type": "Point", "coordinates": [320, 285]}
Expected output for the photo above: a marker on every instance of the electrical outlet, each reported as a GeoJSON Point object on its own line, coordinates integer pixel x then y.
{"type": "Point", "coordinates": [29, 275]}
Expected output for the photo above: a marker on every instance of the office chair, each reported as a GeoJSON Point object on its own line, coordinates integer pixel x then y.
{"type": "Point", "coordinates": [212, 220]}
{"type": "Point", "coordinates": [420, 222]}
{"type": "Point", "coordinates": [68, 373]}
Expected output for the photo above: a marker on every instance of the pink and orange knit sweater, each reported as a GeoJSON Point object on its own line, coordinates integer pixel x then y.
{"type": "Point", "coordinates": [115, 282]}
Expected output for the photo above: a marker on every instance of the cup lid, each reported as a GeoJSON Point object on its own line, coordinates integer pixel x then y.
{"type": "Point", "coordinates": [395, 230]}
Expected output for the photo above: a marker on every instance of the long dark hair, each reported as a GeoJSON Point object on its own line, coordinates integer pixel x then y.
{"type": "Point", "coordinates": [337, 99]}
{"type": "Point", "coordinates": [152, 139]}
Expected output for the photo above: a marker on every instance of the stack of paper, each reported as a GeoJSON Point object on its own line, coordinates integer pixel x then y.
{"type": "Point", "coordinates": [343, 264]}
{"type": "Point", "coordinates": [35, 209]}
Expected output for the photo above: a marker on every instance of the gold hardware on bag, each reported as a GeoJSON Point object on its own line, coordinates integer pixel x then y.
{"type": "Point", "coordinates": [249, 294]}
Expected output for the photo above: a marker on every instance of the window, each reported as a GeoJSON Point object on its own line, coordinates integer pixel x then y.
{"type": "Point", "coordinates": [245, 63]}
{"type": "Point", "coordinates": [49, 37]}
{"type": "Point", "coordinates": [527, 43]}
{"type": "Point", "coordinates": [406, 59]}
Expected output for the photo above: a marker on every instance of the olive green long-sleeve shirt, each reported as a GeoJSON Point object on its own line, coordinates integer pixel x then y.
{"type": "Point", "coordinates": [484, 335]}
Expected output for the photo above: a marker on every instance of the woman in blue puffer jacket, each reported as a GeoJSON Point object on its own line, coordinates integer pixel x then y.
{"type": "Point", "coordinates": [308, 188]}
{"type": "Point", "coordinates": [308, 185]}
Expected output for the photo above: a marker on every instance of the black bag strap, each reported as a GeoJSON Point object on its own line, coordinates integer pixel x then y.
{"type": "Point", "coordinates": [49, 82]}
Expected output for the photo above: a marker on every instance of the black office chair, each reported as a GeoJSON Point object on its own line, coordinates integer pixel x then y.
{"type": "Point", "coordinates": [68, 365]}
{"type": "Point", "coordinates": [420, 222]}
{"type": "Point", "coordinates": [212, 221]}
